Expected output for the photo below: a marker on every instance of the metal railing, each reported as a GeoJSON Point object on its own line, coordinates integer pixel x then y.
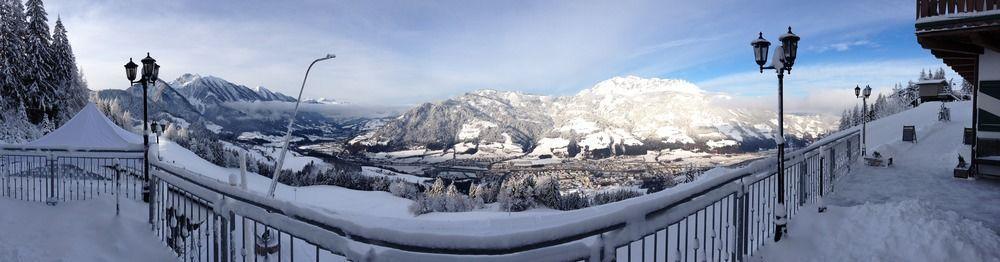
{"type": "Point", "coordinates": [931, 8]}
{"type": "Point", "coordinates": [55, 176]}
{"type": "Point", "coordinates": [723, 217]}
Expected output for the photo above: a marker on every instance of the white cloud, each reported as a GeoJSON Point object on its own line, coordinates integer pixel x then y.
{"type": "Point", "coordinates": [843, 46]}
{"type": "Point", "coordinates": [821, 88]}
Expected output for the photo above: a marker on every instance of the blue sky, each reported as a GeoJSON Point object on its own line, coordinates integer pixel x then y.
{"type": "Point", "coordinates": [407, 52]}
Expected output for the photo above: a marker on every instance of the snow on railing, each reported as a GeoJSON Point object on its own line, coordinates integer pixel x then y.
{"type": "Point", "coordinates": [57, 175]}
{"type": "Point", "coordinates": [726, 214]}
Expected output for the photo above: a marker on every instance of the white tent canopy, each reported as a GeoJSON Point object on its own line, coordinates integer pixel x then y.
{"type": "Point", "coordinates": [88, 130]}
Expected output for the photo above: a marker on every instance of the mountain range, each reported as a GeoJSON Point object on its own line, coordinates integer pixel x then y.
{"type": "Point", "coordinates": [620, 116]}
{"type": "Point", "coordinates": [234, 110]}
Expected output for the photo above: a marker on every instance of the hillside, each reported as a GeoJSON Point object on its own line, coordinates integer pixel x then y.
{"type": "Point", "coordinates": [619, 116]}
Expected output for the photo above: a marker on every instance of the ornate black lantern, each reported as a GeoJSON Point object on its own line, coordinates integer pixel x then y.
{"type": "Point", "coordinates": [148, 64]}
{"type": "Point", "coordinates": [760, 47]}
{"type": "Point", "coordinates": [789, 45]}
{"type": "Point", "coordinates": [857, 91]}
{"type": "Point", "coordinates": [868, 91]}
{"type": "Point", "coordinates": [130, 70]}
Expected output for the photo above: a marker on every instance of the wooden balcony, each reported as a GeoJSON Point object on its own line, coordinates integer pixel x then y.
{"type": "Point", "coordinates": [950, 14]}
{"type": "Point", "coordinates": [958, 31]}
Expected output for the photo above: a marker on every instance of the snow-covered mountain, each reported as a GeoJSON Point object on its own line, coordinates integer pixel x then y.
{"type": "Point", "coordinates": [622, 115]}
{"type": "Point", "coordinates": [268, 95]}
{"type": "Point", "coordinates": [203, 91]}
{"type": "Point", "coordinates": [322, 100]}
{"type": "Point", "coordinates": [233, 110]}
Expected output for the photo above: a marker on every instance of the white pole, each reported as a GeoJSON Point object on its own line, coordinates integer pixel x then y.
{"type": "Point", "coordinates": [243, 170]}
{"type": "Point", "coordinates": [288, 134]}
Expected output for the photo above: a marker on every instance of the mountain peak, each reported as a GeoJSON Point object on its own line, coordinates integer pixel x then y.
{"type": "Point", "coordinates": [634, 85]}
{"type": "Point", "coordinates": [212, 90]}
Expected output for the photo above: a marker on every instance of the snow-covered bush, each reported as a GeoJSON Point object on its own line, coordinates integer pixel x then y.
{"type": "Point", "coordinates": [403, 189]}
{"type": "Point", "coordinates": [612, 196]}
{"type": "Point", "coordinates": [517, 194]}
{"type": "Point", "coordinates": [441, 198]}
{"type": "Point", "coordinates": [455, 201]}
{"type": "Point", "coordinates": [547, 192]}
{"type": "Point", "coordinates": [486, 192]}
{"type": "Point", "coordinates": [381, 184]}
{"type": "Point", "coordinates": [573, 201]}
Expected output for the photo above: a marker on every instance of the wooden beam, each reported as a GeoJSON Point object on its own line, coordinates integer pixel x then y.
{"type": "Point", "coordinates": [941, 54]}
{"type": "Point", "coordinates": [986, 41]}
{"type": "Point", "coordinates": [950, 46]}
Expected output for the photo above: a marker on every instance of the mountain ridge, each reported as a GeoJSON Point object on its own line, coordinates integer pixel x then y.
{"type": "Point", "coordinates": [621, 115]}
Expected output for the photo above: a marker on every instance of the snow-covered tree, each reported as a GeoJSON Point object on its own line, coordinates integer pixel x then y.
{"type": "Point", "coordinates": [517, 194]}
{"type": "Point", "coordinates": [403, 189]}
{"type": "Point", "coordinates": [71, 89]}
{"type": "Point", "coordinates": [38, 66]}
{"type": "Point", "coordinates": [547, 191]}
{"type": "Point", "coordinates": [12, 52]}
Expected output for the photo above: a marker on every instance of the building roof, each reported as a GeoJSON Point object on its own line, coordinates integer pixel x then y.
{"type": "Point", "coordinates": [932, 81]}
{"type": "Point", "coordinates": [89, 130]}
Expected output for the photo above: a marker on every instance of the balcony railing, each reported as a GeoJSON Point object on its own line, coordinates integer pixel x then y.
{"type": "Point", "coordinates": [723, 217]}
{"type": "Point", "coordinates": [932, 8]}
{"type": "Point", "coordinates": [726, 217]}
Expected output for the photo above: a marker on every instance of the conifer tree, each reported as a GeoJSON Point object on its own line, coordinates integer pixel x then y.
{"type": "Point", "coordinates": [12, 26]}
{"type": "Point", "coordinates": [37, 76]}
{"type": "Point", "coordinates": [70, 88]}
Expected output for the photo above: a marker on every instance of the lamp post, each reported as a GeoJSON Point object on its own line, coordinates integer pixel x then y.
{"type": "Point", "coordinates": [784, 58]}
{"type": "Point", "coordinates": [288, 133]}
{"type": "Point", "coordinates": [150, 72]}
{"type": "Point", "coordinates": [864, 115]}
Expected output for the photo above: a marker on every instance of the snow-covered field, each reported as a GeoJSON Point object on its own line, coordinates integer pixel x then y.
{"type": "Point", "coordinates": [913, 211]}
{"type": "Point", "coordinates": [78, 231]}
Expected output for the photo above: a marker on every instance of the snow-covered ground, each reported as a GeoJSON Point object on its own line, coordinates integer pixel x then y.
{"type": "Point", "coordinates": [913, 211]}
{"type": "Point", "coordinates": [909, 230]}
{"type": "Point", "coordinates": [78, 231]}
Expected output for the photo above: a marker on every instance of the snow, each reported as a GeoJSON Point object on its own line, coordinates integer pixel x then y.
{"type": "Point", "coordinates": [293, 160]}
{"type": "Point", "coordinates": [914, 210]}
{"type": "Point", "coordinates": [375, 171]}
{"type": "Point", "coordinates": [910, 230]}
{"type": "Point", "coordinates": [89, 129]}
{"type": "Point", "coordinates": [78, 231]}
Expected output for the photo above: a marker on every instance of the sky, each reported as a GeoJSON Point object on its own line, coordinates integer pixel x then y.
{"type": "Point", "coordinates": [410, 52]}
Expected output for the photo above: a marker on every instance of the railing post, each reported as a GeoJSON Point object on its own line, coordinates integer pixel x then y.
{"type": "Point", "coordinates": [223, 241]}
{"type": "Point", "coordinates": [51, 160]}
{"type": "Point", "coordinates": [803, 173]}
{"type": "Point", "coordinates": [743, 202]}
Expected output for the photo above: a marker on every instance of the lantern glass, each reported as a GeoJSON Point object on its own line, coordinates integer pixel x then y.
{"type": "Point", "coordinates": [868, 91]}
{"type": "Point", "coordinates": [760, 48]}
{"type": "Point", "coordinates": [857, 91]}
{"type": "Point", "coordinates": [156, 73]}
{"type": "Point", "coordinates": [130, 70]}
{"type": "Point", "coordinates": [147, 67]}
{"type": "Point", "coordinates": [790, 45]}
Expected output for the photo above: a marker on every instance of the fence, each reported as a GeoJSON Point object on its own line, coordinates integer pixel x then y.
{"type": "Point", "coordinates": [62, 175]}
{"type": "Point", "coordinates": [724, 216]}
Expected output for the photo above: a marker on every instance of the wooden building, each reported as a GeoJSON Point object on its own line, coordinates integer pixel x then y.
{"type": "Point", "coordinates": [965, 34]}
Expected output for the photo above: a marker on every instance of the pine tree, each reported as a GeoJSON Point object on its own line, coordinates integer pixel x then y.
{"type": "Point", "coordinates": [845, 120]}
{"type": "Point", "coordinates": [70, 88]}
{"type": "Point", "coordinates": [12, 52]}
{"type": "Point", "coordinates": [38, 69]}
{"type": "Point", "coordinates": [547, 192]}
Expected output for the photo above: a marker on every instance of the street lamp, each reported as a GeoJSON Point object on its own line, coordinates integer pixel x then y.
{"type": "Point", "coordinates": [150, 72]}
{"type": "Point", "coordinates": [288, 133]}
{"type": "Point", "coordinates": [784, 58]}
{"type": "Point", "coordinates": [864, 115]}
